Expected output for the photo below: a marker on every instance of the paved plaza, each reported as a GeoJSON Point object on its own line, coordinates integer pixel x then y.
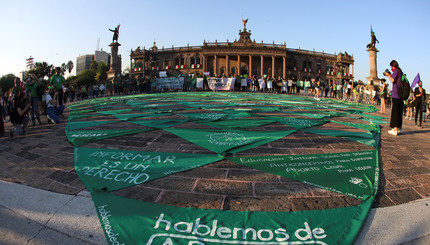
{"type": "Point", "coordinates": [44, 159]}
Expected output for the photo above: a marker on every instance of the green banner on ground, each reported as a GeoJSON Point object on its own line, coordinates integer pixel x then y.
{"type": "Point", "coordinates": [354, 174]}
{"type": "Point", "coordinates": [134, 116]}
{"type": "Point", "coordinates": [368, 138]}
{"type": "Point", "coordinates": [228, 141]}
{"type": "Point", "coordinates": [369, 127]}
{"type": "Point", "coordinates": [159, 123]}
{"type": "Point", "coordinates": [204, 116]}
{"type": "Point", "coordinates": [106, 169]}
{"type": "Point", "coordinates": [127, 221]}
{"type": "Point", "coordinates": [85, 124]}
{"type": "Point", "coordinates": [238, 123]}
{"type": "Point", "coordinates": [298, 123]}
{"type": "Point", "coordinates": [80, 137]}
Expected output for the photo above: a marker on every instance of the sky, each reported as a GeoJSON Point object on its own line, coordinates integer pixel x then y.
{"type": "Point", "coordinates": [59, 31]}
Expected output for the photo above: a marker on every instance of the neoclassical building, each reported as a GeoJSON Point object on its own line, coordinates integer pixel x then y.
{"type": "Point", "coordinates": [243, 57]}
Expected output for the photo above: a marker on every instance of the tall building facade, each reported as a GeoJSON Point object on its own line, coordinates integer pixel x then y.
{"type": "Point", "coordinates": [243, 57]}
{"type": "Point", "coordinates": [83, 62]}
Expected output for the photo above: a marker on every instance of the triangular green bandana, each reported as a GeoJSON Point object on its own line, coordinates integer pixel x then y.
{"type": "Point", "coordinates": [80, 137]}
{"type": "Point", "coordinates": [238, 123]}
{"type": "Point", "coordinates": [134, 116]}
{"type": "Point", "coordinates": [368, 138]}
{"type": "Point", "coordinates": [228, 141]}
{"type": "Point", "coordinates": [355, 174]}
{"type": "Point", "coordinates": [115, 169]}
{"type": "Point", "coordinates": [298, 123]}
{"type": "Point", "coordinates": [112, 112]}
{"type": "Point", "coordinates": [160, 123]}
{"type": "Point", "coordinates": [370, 127]}
{"type": "Point", "coordinates": [203, 116]}
{"type": "Point", "coordinates": [128, 221]}
{"type": "Point", "coordinates": [85, 124]}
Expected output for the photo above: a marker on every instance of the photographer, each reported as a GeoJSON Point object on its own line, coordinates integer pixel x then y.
{"type": "Point", "coordinates": [17, 115]}
{"type": "Point", "coordinates": [51, 102]}
{"type": "Point", "coordinates": [397, 103]}
{"type": "Point", "coordinates": [32, 88]}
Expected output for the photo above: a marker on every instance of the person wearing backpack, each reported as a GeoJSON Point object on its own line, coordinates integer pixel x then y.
{"type": "Point", "coordinates": [396, 119]}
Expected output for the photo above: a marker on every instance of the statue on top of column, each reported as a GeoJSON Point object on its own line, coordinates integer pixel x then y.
{"type": "Point", "coordinates": [373, 39]}
{"type": "Point", "coordinates": [115, 33]}
{"type": "Point", "coordinates": [244, 24]}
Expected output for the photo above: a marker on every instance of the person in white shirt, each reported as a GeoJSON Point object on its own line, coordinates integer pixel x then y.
{"type": "Point", "coordinates": [53, 111]}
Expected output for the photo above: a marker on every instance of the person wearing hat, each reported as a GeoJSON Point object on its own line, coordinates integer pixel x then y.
{"type": "Point", "coordinates": [57, 80]}
{"type": "Point", "coordinates": [53, 111]}
{"type": "Point", "coordinates": [383, 95]}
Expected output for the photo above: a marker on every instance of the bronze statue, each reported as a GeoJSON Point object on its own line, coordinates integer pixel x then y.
{"type": "Point", "coordinates": [115, 33]}
{"type": "Point", "coordinates": [373, 39]}
{"type": "Point", "coordinates": [244, 23]}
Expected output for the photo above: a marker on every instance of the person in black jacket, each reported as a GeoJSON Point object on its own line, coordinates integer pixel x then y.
{"type": "Point", "coordinates": [420, 98]}
{"type": "Point", "coordinates": [18, 115]}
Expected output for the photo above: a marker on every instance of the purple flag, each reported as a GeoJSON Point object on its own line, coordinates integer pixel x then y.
{"type": "Point", "coordinates": [416, 80]}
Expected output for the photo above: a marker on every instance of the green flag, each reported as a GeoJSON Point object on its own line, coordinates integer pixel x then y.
{"type": "Point", "coordinates": [228, 141]}
{"type": "Point", "coordinates": [115, 169]}
{"type": "Point", "coordinates": [350, 173]}
{"type": "Point", "coordinates": [127, 221]}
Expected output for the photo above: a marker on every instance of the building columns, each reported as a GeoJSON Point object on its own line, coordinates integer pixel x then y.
{"type": "Point", "coordinates": [261, 65]}
{"type": "Point", "coordinates": [227, 62]}
{"type": "Point", "coordinates": [204, 63]}
{"type": "Point", "coordinates": [284, 67]}
{"type": "Point", "coordinates": [250, 67]}
{"type": "Point", "coordinates": [273, 66]}
{"type": "Point", "coordinates": [216, 65]}
{"type": "Point", "coordinates": [238, 65]}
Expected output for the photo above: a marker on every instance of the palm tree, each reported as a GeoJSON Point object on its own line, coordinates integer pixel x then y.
{"type": "Point", "coordinates": [69, 66]}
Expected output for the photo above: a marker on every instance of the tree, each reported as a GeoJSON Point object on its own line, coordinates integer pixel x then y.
{"type": "Point", "coordinates": [102, 69]}
{"type": "Point", "coordinates": [63, 68]}
{"type": "Point", "coordinates": [85, 78]}
{"type": "Point", "coordinates": [93, 66]}
{"type": "Point", "coordinates": [7, 82]}
{"type": "Point", "coordinates": [69, 66]}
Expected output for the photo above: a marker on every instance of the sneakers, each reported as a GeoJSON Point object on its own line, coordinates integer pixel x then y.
{"type": "Point", "coordinates": [393, 132]}
{"type": "Point", "coordinates": [51, 120]}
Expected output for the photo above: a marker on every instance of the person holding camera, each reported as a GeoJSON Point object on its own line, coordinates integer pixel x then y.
{"type": "Point", "coordinates": [52, 111]}
{"type": "Point", "coordinates": [397, 103]}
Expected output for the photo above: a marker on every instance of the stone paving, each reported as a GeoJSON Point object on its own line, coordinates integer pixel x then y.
{"type": "Point", "coordinates": [43, 158]}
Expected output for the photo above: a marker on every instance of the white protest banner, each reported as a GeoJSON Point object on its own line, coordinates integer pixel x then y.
{"type": "Point", "coordinates": [199, 82]}
{"type": "Point", "coordinates": [170, 83]}
{"type": "Point", "coordinates": [222, 83]}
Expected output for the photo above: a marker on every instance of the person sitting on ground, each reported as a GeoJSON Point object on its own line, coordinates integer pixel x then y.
{"type": "Point", "coordinates": [18, 115]}
{"type": "Point", "coordinates": [52, 111]}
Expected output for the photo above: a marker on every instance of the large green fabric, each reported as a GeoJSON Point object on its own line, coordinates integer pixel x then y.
{"type": "Point", "coordinates": [80, 137]}
{"type": "Point", "coordinates": [159, 123]}
{"type": "Point", "coordinates": [85, 124]}
{"type": "Point", "coordinates": [134, 116]}
{"type": "Point", "coordinates": [350, 173]}
{"type": "Point", "coordinates": [368, 138]}
{"type": "Point", "coordinates": [228, 141]}
{"type": "Point", "coordinates": [298, 123]}
{"type": "Point", "coordinates": [204, 116]}
{"type": "Point", "coordinates": [106, 169]}
{"type": "Point", "coordinates": [127, 221]}
{"type": "Point", "coordinates": [238, 123]}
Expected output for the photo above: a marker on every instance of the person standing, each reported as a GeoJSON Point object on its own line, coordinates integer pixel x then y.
{"type": "Point", "coordinates": [57, 80]}
{"type": "Point", "coordinates": [420, 98]}
{"type": "Point", "coordinates": [35, 98]}
{"type": "Point", "coordinates": [397, 103]}
{"type": "Point", "coordinates": [383, 95]}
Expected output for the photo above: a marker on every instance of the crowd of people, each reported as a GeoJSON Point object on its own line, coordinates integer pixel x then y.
{"type": "Point", "coordinates": [30, 99]}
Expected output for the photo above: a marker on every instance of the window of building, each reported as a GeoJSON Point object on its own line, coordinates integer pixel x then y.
{"type": "Point", "coordinates": [192, 61]}
{"type": "Point", "coordinates": [198, 60]}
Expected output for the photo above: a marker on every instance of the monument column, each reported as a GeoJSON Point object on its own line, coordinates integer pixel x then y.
{"type": "Point", "coordinates": [250, 67]}
{"type": "Point", "coordinates": [373, 65]}
{"type": "Point", "coordinates": [115, 65]}
{"type": "Point", "coordinates": [261, 65]}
